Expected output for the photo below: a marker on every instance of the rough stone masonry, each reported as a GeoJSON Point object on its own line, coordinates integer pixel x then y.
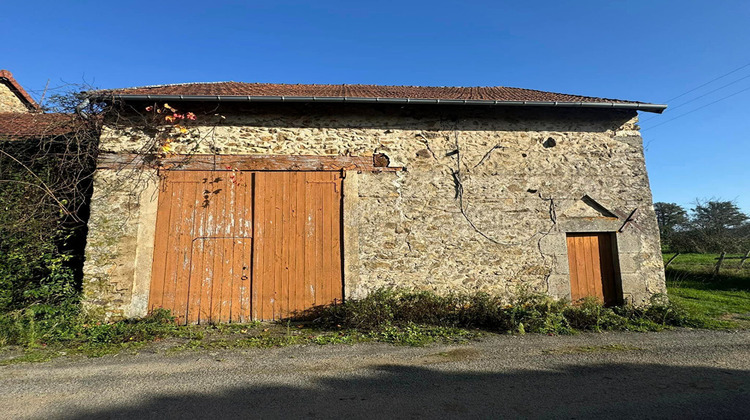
{"type": "Point", "coordinates": [9, 101]}
{"type": "Point", "coordinates": [484, 202]}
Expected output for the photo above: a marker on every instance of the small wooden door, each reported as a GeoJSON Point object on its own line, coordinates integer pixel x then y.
{"type": "Point", "coordinates": [592, 269]}
{"type": "Point", "coordinates": [235, 246]}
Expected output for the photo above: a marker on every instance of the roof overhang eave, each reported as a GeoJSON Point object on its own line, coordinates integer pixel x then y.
{"type": "Point", "coordinates": [657, 108]}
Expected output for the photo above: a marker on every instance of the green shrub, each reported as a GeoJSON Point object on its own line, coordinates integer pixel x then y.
{"type": "Point", "coordinates": [394, 313]}
{"type": "Point", "coordinates": [43, 198]}
{"type": "Point", "coordinates": [40, 325]}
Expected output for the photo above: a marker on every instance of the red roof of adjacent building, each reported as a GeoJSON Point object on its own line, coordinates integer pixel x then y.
{"type": "Point", "coordinates": [425, 94]}
{"type": "Point", "coordinates": [16, 125]}
{"type": "Point", "coordinates": [7, 77]}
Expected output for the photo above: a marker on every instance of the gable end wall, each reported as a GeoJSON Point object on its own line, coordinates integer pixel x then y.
{"type": "Point", "coordinates": [9, 101]}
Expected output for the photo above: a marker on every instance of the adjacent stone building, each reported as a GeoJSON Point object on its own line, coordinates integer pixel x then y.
{"type": "Point", "coordinates": [13, 97]}
{"type": "Point", "coordinates": [21, 118]}
{"type": "Point", "coordinates": [233, 201]}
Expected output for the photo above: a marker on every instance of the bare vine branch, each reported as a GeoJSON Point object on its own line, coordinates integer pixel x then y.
{"type": "Point", "coordinates": [42, 185]}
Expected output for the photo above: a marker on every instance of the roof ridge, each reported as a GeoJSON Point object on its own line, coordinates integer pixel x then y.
{"type": "Point", "coordinates": [167, 85]}
{"type": "Point", "coordinates": [331, 84]}
{"type": "Point", "coordinates": [299, 92]}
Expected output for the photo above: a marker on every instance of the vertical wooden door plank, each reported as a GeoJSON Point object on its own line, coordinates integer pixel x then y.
{"type": "Point", "coordinates": [230, 232]}
{"type": "Point", "coordinates": [196, 278]}
{"type": "Point", "coordinates": [283, 267]}
{"type": "Point", "coordinates": [337, 262]}
{"type": "Point", "coordinates": [174, 251]}
{"type": "Point", "coordinates": [326, 189]}
{"type": "Point", "coordinates": [596, 278]}
{"type": "Point", "coordinates": [588, 263]}
{"type": "Point", "coordinates": [581, 266]}
{"type": "Point", "coordinates": [196, 297]}
{"type": "Point", "coordinates": [231, 283]}
{"type": "Point", "coordinates": [216, 272]}
{"type": "Point", "coordinates": [572, 267]}
{"type": "Point", "coordinates": [207, 248]}
{"type": "Point", "coordinates": [300, 240]}
{"type": "Point", "coordinates": [163, 221]}
{"type": "Point", "coordinates": [291, 242]}
{"type": "Point", "coordinates": [266, 279]}
{"type": "Point", "coordinates": [582, 272]}
{"type": "Point", "coordinates": [183, 237]}
{"type": "Point", "coordinates": [275, 266]}
{"type": "Point", "coordinates": [238, 232]}
{"type": "Point", "coordinates": [272, 228]}
{"type": "Point", "coordinates": [247, 255]}
{"type": "Point", "coordinates": [258, 243]}
{"type": "Point", "coordinates": [222, 264]}
{"type": "Point", "coordinates": [320, 289]}
{"type": "Point", "coordinates": [311, 278]}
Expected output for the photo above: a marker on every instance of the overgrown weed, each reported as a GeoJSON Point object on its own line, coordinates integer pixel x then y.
{"type": "Point", "coordinates": [387, 315]}
{"type": "Point", "coordinates": [389, 310]}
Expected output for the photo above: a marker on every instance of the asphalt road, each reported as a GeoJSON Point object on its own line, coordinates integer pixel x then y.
{"type": "Point", "coordinates": [674, 374]}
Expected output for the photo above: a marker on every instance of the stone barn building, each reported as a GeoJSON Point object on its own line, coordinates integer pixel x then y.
{"type": "Point", "coordinates": [226, 202]}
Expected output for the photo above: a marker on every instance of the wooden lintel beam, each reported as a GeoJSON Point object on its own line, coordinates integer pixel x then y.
{"type": "Point", "coordinates": [245, 162]}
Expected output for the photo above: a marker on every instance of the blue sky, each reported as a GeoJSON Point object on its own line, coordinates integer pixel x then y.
{"type": "Point", "coordinates": [640, 50]}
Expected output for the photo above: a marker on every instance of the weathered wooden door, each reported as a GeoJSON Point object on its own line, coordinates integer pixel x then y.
{"type": "Point", "coordinates": [592, 270]}
{"type": "Point", "coordinates": [297, 258]}
{"type": "Point", "coordinates": [235, 246]}
{"type": "Point", "coordinates": [203, 248]}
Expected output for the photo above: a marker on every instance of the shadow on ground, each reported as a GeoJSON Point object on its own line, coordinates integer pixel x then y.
{"type": "Point", "coordinates": [597, 391]}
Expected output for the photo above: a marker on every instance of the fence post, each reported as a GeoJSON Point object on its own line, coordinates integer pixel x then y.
{"type": "Point", "coordinates": [670, 260]}
{"type": "Point", "coordinates": [718, 264]}
{"type": "Point", "coordinates": [742, 261]}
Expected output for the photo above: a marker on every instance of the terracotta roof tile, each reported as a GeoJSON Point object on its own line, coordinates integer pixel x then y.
{"type": "Point", "coordinates": [357, 91]}
{"type": "Point", "coordinates": [21, 125]}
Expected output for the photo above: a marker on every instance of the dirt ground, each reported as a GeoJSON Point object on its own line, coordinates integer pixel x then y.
{"type": "Point", "coordinates": [673, 374]}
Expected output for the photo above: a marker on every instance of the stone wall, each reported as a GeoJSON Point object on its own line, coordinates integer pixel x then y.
{"type": "Point", "coordinates": [9, 102]}
{"type": "Point", "coordinates": [484, 204]}
{"type": "Point", "coordinates": [117, 270]}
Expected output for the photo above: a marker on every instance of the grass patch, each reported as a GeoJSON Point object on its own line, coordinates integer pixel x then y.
{"type": "Point", "coordinates": [721, 301]}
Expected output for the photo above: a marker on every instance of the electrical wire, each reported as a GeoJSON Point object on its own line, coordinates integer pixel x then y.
{"type": "Point", "coordinates": [708, 83]}
{"type": "Point", "coordinates": [696, 109]}
{"type": "Point", "coordinates": [701, 96]}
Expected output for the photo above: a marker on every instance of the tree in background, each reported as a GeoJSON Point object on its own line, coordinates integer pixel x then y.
{"type": "Point", "coordinates": [711, 226]}
{"type": "Point", "coordinates": [717, 217]}
{"type": "Point", "coordinates": [671, 217]}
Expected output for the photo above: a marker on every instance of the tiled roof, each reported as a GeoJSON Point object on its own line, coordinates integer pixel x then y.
{"type": "Point", "coordinates": [504, 94]}
{"type": "Point", "coordinates": [31, 125]}
{"type": "Point", "coordinates": [7, 77]}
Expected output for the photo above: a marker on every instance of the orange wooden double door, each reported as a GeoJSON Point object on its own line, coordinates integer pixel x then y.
{"type": "Point", "coordinates": [237, 246]}
{"type": "Point", "coordinates": [592, 267]}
